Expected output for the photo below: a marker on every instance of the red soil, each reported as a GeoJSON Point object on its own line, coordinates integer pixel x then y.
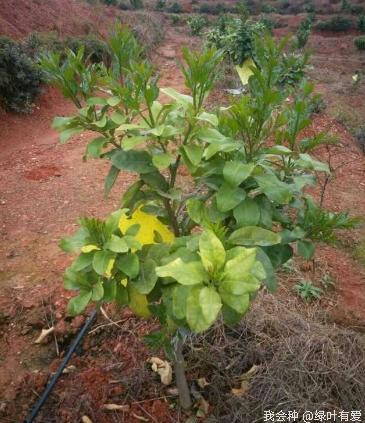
{"type": "Point", "coordinates": [45, 188]}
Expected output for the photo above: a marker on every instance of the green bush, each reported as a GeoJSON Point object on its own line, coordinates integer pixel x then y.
{"type": "Point", "coordinates": [160, 4]}
{"type": "Point", "coordinates": [361, 23]}
{"type": "Point", "coordinates": [96, 50]}
{"type": "Point", "coordinates": [109, 2]}
{"type": "Point", "coordinates": [268, 8]}
{"type": "Point", "coordinates": [303, 32]}
{"type": "Point", "coordinates": [136, 4]}
{"type": "Point", "coordinates": [196, 24]}
{"type": "Point", "coordinates": [337, 24]}
{"type": "Point", "coordinates": [235, 37]}
{"type": "Point", "coordinates": [37, 43]}
{"type": "Point", "coordinates": [214, 9]}
{"type": "Point", "coordinates": [20, 80]}
{"type": "Point", "coordinates": [356, 9]}
{"type": "Point", "coordinates": [175, 8]}
{"type": "Point", "coordinates": [360, 42]}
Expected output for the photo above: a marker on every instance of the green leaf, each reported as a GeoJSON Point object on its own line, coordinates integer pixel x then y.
{"type": "Point", "coordinates": [75, 242]}
{"type": "Point", "coordinates": [247, 213]}
{"type": "Point", "coordinates": [194, 153]}
{"type": "Point", "coordinates": [117, 117]}
{"type": "Point", "coordinates": [129, 264]}
{"type": "Point", "coordinates": [194, 312]}
{"type": "Point", "coordinates": [180, 295]}
{"type": "Point", "coordinates": [274, 189]}
{"type": "Point", "coordinates": [117, 245]}
{"type": "Point", "coordinates": [208, 117]}
{"type": "Point", "coordinates": [211, 135]}
{"type": "Point", "coordinates": [228, 198]}
{"type": "Point", "coordinates": [112, 221]}
{"type": "Point", "coordinates": [210, 303]}
{"type": "Point", "coordinates": [280, 150]}
{"type": "Point", "coordinates": [98, 291]}
{"type": "Point", "coordinates": [78, 304]}
{"type": "Point", "coordinates": [307, 162]}
{"type": "Point", "coordinates": [131, 193]}
{"type": "Point", "coordinates": [270, 278]}
{"type": "Point", "coordinates": [121, 295]}
{"type": "Point", "coordinates": [110, 290]}
{"type": "Point", "coordinates": [95, 147]}
{"type": "Point", "coordinates": [96, 101]}
{"type": "Point", "coordinates": [102, 122]}
{"type": "Point", "coordinates": [191, 273]}
{"type": "Point", "coordinates": [155, 180]}
{"type": "Point", "coordinates": [183, 99]}
{"type": "Point", "coordinates": [244, 285]}
{"type": "Point", "coordinates": [230, 316]}
{"type": "Point", "coordinates": [110, 180]}
{"type": "Point", "coordinates": [236, 172]}
{"type": "Point", "coordinates": [133, 160]}
{"type": "Point", "coordinates": [239, 303]}
{"type": "Point", "coordinates": [83, 260]}
{"type": "Point", "coordinates": [101, 261]}
{"type": "Point", "coordinates": [147, 277]}
{"type": "Point", "coordinates": [130, 142]}
{"type": "Point", "coordinates": [162, 160]}
{"type": "Point", "coordinates": [254, 235]}
{"type": "Point", "coordinates": [68, 133]}
{"type": "Point", "coordinates": [306, 249]}
{"type": "Point", "coordinates": [241, 264]}
{"type": "Point", "coordinates": [196, 210]}
{"type": "Point", "coordinates": [279, 254]}
{"type": "Point", "coordinates": [212, 252]}
{"type": "Point", "coordinates": [113, 101]}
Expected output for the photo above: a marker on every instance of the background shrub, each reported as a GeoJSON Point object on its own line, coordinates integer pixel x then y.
{"type": "Point", "coordinates": [20, 80]}
{"type": "Point", "coordinates": [360, 42]}
{"type": "Point", "coordinates": [175, 8]}
{"type": "Point", "coordinates": [196, 24]}
{"type": "Point", "coordinates": [356, 9]}
{"type": "Point", "coordinates": [337, 23]}
{"type": "Point", "coordinates": [304, 31]}
{"type": "Point", "coordinates": [268, 8]}
{"type": "Point", "coordinates": [136, 4]}
{"type": "Point", "coordinates": [361, 23]}
{"type": "Point", "coordinates": [160, 4]}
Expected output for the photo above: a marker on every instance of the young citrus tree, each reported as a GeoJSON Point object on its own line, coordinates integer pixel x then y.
{"type": "Point", "coordinates": [194, 251]}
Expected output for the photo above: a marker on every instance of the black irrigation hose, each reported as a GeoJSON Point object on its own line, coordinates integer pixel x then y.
{"type": "Point", "coordinates": [38, 405]}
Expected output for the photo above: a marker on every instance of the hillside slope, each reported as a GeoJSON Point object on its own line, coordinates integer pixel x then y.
{"type": "Point", "coordinates": [71, 17]}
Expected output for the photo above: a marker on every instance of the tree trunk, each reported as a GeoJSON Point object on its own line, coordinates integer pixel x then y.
{"type": "Point", "coordinates": [181, 382]}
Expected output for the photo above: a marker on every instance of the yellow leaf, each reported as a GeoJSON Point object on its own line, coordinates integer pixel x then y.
{"type": "Point", "coordinates": [148, 225]}
{"type": "Point", "coordinates": [89, 248]}
{"type": "Point", "coordinates": [124, 282]}
{"type": "Point", "coordinates": [138, 302]}
{"type": "Point", "coordinates": [244, 71]}
{"type": "Point", "coordinates": [108, 271]}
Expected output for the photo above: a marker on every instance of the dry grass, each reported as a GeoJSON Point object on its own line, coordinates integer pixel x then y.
{"type": "Point", "coordinates": [304, 363]}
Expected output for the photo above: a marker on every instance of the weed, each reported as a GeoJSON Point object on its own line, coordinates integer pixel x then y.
{"type": "Point", "coordinates": [317, 104]}
{"type": "Point", "coordinates": [327, 281]}
{"type": "Point", "coordinates": [307, 291]}
{"type": "Point", "coordinates": [360, 42]}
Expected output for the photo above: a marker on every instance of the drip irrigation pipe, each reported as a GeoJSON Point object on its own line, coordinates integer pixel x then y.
{"type": "Point", "coordinates": [38, 405]}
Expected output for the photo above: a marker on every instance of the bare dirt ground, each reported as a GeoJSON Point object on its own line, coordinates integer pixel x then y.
{"type": "Point", "coordinates": [44, 188]}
